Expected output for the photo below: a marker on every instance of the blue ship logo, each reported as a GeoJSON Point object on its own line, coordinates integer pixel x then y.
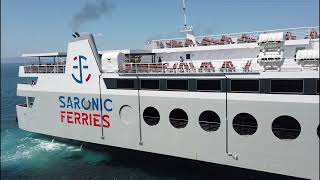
{"type": "Point", "coordinates": [80, 67]}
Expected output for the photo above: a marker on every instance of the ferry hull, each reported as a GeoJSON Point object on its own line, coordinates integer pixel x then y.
{"type": "Point", "coordinates": [91, 99]}
{"type": "Point", "coordinates": [261, 151]}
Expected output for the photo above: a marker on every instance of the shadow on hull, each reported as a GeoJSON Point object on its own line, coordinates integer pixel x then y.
{"type": "Point", "coordinates": [163, 166]}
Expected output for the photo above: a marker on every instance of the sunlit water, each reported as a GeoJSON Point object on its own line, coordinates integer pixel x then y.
{"type": "Point", "coordinates": [26, 155]}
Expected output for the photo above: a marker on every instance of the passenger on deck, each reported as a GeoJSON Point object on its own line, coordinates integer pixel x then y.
{"type": "Point", "coordinates": [159, 61]}
{"type": "Point", "coordinates": [181, 59]}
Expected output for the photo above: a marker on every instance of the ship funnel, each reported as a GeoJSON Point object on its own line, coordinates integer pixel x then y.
{"type": "Point", "coordinates": [82, 54]}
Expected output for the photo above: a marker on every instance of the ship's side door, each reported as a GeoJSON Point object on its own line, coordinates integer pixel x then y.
{"type": "Point", "coordinates": [124, 114]}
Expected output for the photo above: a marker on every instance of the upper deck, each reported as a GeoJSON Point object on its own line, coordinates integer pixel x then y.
{"type": "Point", "coordinates": [267, 51]}
{"type": "Point", "coordinates": [233, 38]}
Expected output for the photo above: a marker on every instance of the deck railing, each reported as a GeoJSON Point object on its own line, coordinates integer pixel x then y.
{"type": "Point", "coordinates": [45, 69]}
{"type": "Point", "coordinates": [184, 68]}
{"type": "Point", "coordinates": [235, 38]}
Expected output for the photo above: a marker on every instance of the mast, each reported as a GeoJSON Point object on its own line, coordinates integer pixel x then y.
{"type": "Point", "coordinates": [184, 12]}
{"type": "Point", "coordinates": [187, 29]}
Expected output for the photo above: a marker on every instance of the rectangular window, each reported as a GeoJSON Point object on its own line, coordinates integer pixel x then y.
{"type": "Point", "coordinates": [245, 85]}
{"type": "Point", "coordinates": [177, 84]}
{"type": "Point", "coordinates": [209, 85]}
{"type": "Point", "coordinates": [188, 56]}
{"type": "Point", "coordinates": [30, 101]}
{"type": "Point", "coordinates": [318, 86]}
{"type": "Point", "coordinates": [286, 86]}
{"type": "Point", "coordinates": [125, 84]}
{"type": "Point", "coordinates": [149, 84]}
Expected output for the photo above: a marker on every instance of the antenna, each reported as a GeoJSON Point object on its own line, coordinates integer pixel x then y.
{"type": "Point", "coordinates": [184, 12]}
{"type": "Point", "coordinates": [186, 27]}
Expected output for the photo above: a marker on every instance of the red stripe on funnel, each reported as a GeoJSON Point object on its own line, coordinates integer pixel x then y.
{"type": "Point", "coordinates": [87, 79]}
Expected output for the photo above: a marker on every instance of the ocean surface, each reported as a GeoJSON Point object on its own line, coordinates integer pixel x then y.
{"type": "Point", "coordinates": [26, 155]}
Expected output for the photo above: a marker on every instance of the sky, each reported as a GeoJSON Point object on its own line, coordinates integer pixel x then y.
{"type": "Point", "coordinates": [31, 26]}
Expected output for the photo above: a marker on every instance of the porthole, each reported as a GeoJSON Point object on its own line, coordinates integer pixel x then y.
{"type": "Point", "coordinates": [151, 116]}
{"type": "Point", "coordinates": [209, 121]}
{"type": "Point", "coordinates": [286, 127]}
{"type": "Point", "coordinates": [178, 118]}
{"type": "Point", "coordinates": [245, 124]}
{"type": "Point", "coordinates": [318, 131]}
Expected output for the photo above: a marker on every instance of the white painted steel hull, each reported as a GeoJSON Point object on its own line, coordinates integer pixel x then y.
{"type": "Point", "coordinates": [261, 151]}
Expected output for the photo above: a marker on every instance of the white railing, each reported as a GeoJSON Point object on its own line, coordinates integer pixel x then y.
{"type": "Point", "coordinates": [235, 38]}
{"type": "Point", "coordinates": [243, 65]}
{"type": "Point", "coordinates": [185, 68]}
{"type": "Point", "coordinates": [45, 69]}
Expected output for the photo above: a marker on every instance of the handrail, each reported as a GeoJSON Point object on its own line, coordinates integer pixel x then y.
{"type": "Point", "coordinates": [235, 38]}
{"type": "Point", "coordinates": [248, 32]}
{"type": "Point", "coordinates": [240, 65]}
{"type": "Point", "coordinates": [266, 31]}
{"type": "Point", "coordinates": [44, 69]}
{"type": "Point", "coordinates": [182, 68]}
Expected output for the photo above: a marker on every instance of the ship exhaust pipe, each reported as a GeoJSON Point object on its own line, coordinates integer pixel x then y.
{"type": "Point", "coordinates": [75, 35]}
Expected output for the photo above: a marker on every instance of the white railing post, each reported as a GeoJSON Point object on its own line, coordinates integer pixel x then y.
{"type": "Point", "coordinates": [162, 68]}
{"type": "Point", "coordinates": [136, 68]}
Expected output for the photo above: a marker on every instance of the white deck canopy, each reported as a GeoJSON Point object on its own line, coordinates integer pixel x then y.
{"type": "Point", "coordinates": [307, 54]}
{"type": "Point", "coordinates": [271, 37]}
{"type": "Point", "coordinates": [270, 55]}
{"type": "Point", "coordinates": [50, 54]}
{"type": "Point", "coordinates": [56, 56]}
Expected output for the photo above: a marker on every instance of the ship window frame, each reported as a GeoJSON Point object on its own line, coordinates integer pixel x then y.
{"type": "Point", "coordinates": [215, 119]}
{"type": "Point", "coordinates": [244, 120]}
{"type": "Point", "coordinates": [168, 89]}
{"type": "Point", "coordinates": [174, 112]}
{"type": "Point", "coordinates": [257, 91]}
{"type": "Point", "coordinates": [30, 101]}
{"type": "Point", "coordinates": [154, 111]}
{"type": "Point", "coordinates": [209, 80]}
{"type": "Point", "coordinates": [283, 79]}
{"type": "Point", "coordinates": [278, 121]}
{"type": "Point", "coordinates": [318, 131]}
{"type": "Point", "coordinates": [317, 86]}
{"type": "Point", "coordinates": [149, 80]}
{"type": "Point", "coordinates": [188, 56]}
{"type": "Point", "coordinates": [133, 82]}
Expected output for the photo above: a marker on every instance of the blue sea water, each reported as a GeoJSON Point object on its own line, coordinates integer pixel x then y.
{"type": "Point", "coordinates": [26, 155]}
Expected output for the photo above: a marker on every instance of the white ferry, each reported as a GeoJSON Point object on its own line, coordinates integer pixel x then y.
{"type": "Point", "coordinates": [248, 100]}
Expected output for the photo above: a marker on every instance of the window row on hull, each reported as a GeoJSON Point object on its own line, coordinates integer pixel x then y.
{"type": "Point", "coordinates": [283, 127]}
{"type": "Point", "coordinates": [307, 86]}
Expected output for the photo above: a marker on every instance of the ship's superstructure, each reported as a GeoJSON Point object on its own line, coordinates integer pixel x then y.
{"type": "Point", "coordinates": [247, 100]}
